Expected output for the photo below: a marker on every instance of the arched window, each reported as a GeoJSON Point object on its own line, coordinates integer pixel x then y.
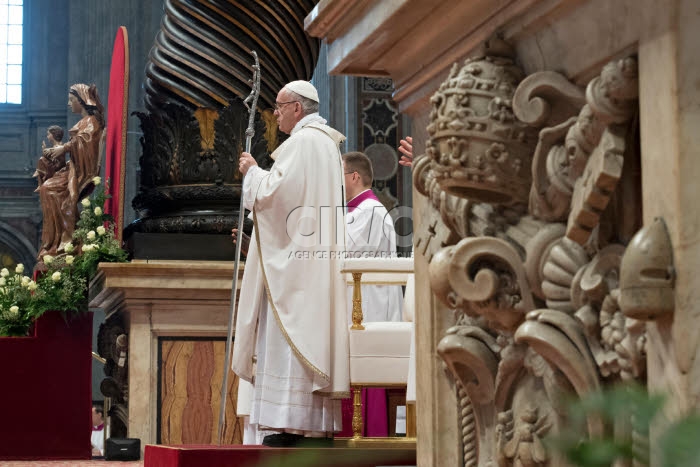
{"type": "Point", "coordinates": [11, 41]}
{"type": "Point", "coordinates": [15, 248]}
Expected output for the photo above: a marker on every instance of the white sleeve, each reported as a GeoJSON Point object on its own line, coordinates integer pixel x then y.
{"type": "Point", "coordinates": [251, 182]}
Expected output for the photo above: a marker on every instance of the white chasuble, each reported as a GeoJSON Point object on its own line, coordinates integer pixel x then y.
{"type": "Point", "coordinates": [291, 314]}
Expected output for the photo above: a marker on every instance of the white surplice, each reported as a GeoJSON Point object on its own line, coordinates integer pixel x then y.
{"type": "Point", "coordinates": [370, 233]}
{"type": "Point", "coordinates": [291, 314]}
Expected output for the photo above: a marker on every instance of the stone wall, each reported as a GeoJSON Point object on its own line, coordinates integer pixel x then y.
{"type": "Point", "coordinates": [471, 272]}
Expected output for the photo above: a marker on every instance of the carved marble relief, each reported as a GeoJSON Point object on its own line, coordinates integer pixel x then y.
{"type": "Point", "coordinates": [523, 177]}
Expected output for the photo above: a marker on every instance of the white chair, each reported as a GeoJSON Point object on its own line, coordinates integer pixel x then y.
{"type": "Point", "coordinates": [380, 352]}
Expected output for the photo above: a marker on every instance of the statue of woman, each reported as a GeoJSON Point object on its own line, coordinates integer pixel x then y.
{"type": "Point", "coordinates": [61, 193]}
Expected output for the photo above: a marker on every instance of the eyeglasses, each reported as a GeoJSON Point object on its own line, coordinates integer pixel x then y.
{"type": "Point", "coordinates": [348, 173]}
{"type": "Point", "coordinates": [278, 105]}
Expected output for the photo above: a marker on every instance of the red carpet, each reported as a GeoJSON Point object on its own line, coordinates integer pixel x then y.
{"type": "Point", "coordinates": [254, 456]}
{"type": "Point", "coordinates": [76, 463]}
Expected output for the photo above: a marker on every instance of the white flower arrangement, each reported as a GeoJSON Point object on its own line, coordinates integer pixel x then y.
{"type": "Point", "coordinates": [63, 287]}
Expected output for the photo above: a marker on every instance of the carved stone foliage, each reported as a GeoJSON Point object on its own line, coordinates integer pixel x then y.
{"type": "Point", "coordinates": [169, 137]}
{"type": "Point", "coordinates": [189, 167]}
{"type": "Point", "coordinates": [525, 256]}
{"type": "Point", "coordinates": [177, 149]}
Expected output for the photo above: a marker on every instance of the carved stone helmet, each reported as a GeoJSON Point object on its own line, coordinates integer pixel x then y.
{"type": "Point", "coordinates": [480, 151]}
{"type": "Point", "coordinates": [647, 275]}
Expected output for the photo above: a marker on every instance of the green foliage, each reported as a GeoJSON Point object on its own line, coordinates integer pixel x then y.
{"type": "Point", "coordinates": [632, 406]}
{"type": "Point", "coordinates": [98, 242]}
{"type": "Point", "coordinates": [64, 284]}
{"type": "Point", "coordinates": [679, 444]}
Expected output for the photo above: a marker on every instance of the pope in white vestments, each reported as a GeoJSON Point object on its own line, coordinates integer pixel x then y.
{"type": "Point", "coordinates": [291, 335]}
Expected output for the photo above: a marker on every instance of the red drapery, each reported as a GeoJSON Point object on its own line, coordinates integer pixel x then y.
{"type": "Point", "coordinates": [46, 390]}
{"type": "Point", "coordinates": [117, 114]}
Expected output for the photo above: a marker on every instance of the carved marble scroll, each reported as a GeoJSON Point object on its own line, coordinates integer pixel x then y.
{"type": "Point", "coordinates": [488, 274]}
{"type": "Point", "coordinates": [519, 244]}
{"type": "Point", "coordinates": [564, 147]}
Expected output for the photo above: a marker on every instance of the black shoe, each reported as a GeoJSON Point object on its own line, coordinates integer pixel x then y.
{"type": "Point", "coordinates": [282, 440]}
{"type": "Point", "coordinates": [315, 443]}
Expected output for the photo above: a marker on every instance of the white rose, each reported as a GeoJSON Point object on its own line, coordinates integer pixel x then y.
{"type": "Point", "coordinates": [91, 235]}
{"type": "Point", "coordinates": [96, 180]}
{"type": "Point", "coordinates": [14, 310]}
{"type": "Point", "coordinates": [25, 281]}
{"type": "Point", "coordinates": [88, 247]}
{"type": "Point", "coordinates": [20, 268]}
{"type": "Point", "coordinates": [69, 259]}
{"type": "Point", "coordinates": [101, 230]}
{"type": "Point", "coordinates": [4, 272]}
{"type": "Point", "coordinates": [68, 248]}
{"type": "Point", "coordinates": [48, 259]}
{"type": "Point", "coordinates": [32, 285]}
{"type": "Point", "coordinates": [2, 281]}
{"type": "Point", "coordinates": [85, 202]}
{"type": "Point", "coordinates": [56, 276]}
{"type": "Point", "coordinates": [98, 211]}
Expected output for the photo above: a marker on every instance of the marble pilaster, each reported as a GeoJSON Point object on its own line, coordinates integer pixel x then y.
{"type": "Point", "coordinates": [161, 299]}
{"type": "Point", "coordinates": [416, 43]}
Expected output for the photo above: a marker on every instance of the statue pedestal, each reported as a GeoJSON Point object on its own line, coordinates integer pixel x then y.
{"type": "Point", "coordinates": [176, 316]}
{"type": "Point", "coordinates": [46, 397]}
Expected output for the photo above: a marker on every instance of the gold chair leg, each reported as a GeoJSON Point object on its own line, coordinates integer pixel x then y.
{"type": "Point", "coordinates": [410, 420]}
{"type": "Point", "coordinates": [357, 302]}
{"type": "Point", "coordinates": [357, 422]}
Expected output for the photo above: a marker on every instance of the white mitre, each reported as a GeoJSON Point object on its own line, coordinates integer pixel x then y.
{"type": "Point", "coordinates": [304, 89]}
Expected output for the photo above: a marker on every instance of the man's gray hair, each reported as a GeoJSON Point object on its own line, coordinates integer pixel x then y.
{"type": "Point", "coordinates": [307, 105]}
